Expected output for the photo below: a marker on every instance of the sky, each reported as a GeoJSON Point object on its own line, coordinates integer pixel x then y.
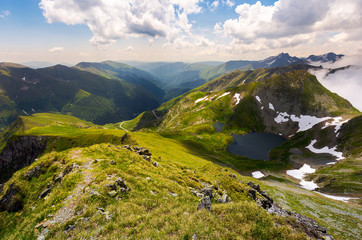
{"type": "Point", "coordinates": [70, 31]}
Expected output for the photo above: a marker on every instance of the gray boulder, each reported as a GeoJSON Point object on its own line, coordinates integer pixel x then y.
{"type": "Point", "coordinates": [205, 203]}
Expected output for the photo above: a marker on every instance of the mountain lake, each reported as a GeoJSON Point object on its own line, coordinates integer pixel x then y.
{"type": "Point", "coordinates": [254, 145]}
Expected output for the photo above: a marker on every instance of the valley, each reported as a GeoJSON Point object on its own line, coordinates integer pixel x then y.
{"type": "Point", "coordinates": [258, 150]}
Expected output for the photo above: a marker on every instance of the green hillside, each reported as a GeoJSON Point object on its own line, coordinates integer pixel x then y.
{"type": "Point", "coordinates": [24, 91]}
{"type": "Point", "coordinates": [70, 191]}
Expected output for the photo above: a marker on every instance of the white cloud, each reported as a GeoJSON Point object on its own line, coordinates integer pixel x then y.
{"type": "Point", "coordinates": [290, 23]}
{"type": "Point", "coordinates": [347, 83]}
{"type": "Point", "coordinates": [110, 20]}
{"type": "Point", "coordinates": [228, 3]}
{"type": "Point", "coordinates": [4, 13]}
{"type": "Point", "coordinates": [56, 49]}
{"type": "Point", "coordinates": [129, 49]}
{"type": "Point", "coordinates": [214, 5]}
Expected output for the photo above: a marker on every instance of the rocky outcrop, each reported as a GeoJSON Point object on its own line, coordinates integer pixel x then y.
{"type": "Point", "coordinates": [205, 203]}
{"type": "Point", "coordinates": [21, 152]}
{"type": "Point", "coordinates": [12, 201]}
{"type": "Point", "coordinates": [306, 224]}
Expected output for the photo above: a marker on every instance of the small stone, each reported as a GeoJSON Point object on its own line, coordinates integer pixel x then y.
{"type": "Point", "coordinates": [194, 237]}
{"type": "Point", "coordinates": [95, 161]}
{"type": "Point", "coordinates": [155, 164]}
{"type": "Point", "coordinates": [147, 158]}
{"type": "Point", "coordinates": [121, 183]}
{"type": "Point", "coordinates": [153, 193]}
{"type": "Point", "coordinates": [148, 178]}
{"type": "Point", "coordinates": [232, 175]}
{"type": "Point", "coordinates": [111, 186]}
{"type": "Point", "coordinates": [173, 194]}
{"type": "Point", "coordinates": [224, 199]}
{"type": "Point", "coordinates": [112, 193]}
{"type": "Point", "coordinates": [112, 162]}
{"type": "Point", "coordinates": [45, 193]}
{"type": "Point", "coordinates": [100, 209]}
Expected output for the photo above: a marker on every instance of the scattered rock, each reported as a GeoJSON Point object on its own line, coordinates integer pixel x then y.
{"type": "Point", "coordinates": [196, 193]}
{"type": "Point", "coordinates": [155, 164]}
{"type": "Point", "coordinates": [224, 198]}
{"type": "Point", "coordinates": [205, 203]}
{"type": "Point", "coordinates": [142, 151]}
{"type": "Point", "coordinates": [112, 187]}
{"type": "Point", "coordinates": [70, 168]}
{"type": "Point", "coordinates": [194, 237]}
{"type": "Point", "coordinates": [42, 224]}
{"type": "Point", "coordinates": [128, 147]}
{"type": "Point", "coordinates": [94, 192]}
{"type": "Point", "coordinates": [34, 172]}
{"type": "Point", "coordinates": [112, 162]}
{"type": "Point", "coordinates": [173, 194]}
{"type": "Point", "coordinates": [125, 137]}
{"type": "Point", "coordinates": [207, 191]}
{"type": "Point", "coordinates": [232, 175]}
{"type": "Point", "coordinates": [252, 194]}
{"type": "Point", "coordinates": [100, 209]}
{"type": "Point", "coordinates": [147, 158]}
{"type": "Point", "coordinates": [112, 193]}
{"type": "Point", "coordinates": [96, 161]}
{"type": "Point", "coordinates": [308, 225]}
{"type": "Point", "coordinates": [43, 234]}
{"type": "Point", "coordinates": [45, 193]}
{"type": "Point", "coordinates": [153, 193]}
{"type": "Point", "coordinates": [12, 201]}
{"type": "Point", "coordinates": [121, 183]}
{"type": "Point", "coordinates": [69, 228]}
{"type": "Point", "coordinates": [148, 178]}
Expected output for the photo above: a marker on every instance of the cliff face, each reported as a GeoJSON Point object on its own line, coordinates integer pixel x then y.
{"type": "Point", "coordinates": [21, 152]}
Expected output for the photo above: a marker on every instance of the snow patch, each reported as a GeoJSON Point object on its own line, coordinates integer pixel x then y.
{"type": "Point", "coordinates": [300, 174]}
{"type": "Point", "coordinates": [343, 199]}
{"type": "Point", "coordinates": [25, 113]}
{"type": "Point", "coordinates": [337, 122]}
{"type": "Point", "coordinates": [305, 122]}
{"type": "Point", "coordinates": [282, 117]}
{"type": "Point", "coordinates": [258, 98]}
{"type": "Point", "coordinates": [271, 106]}
{"type": "Point", "coordinates": [223, 95]}
{"type": "Point", "coordinates": [262, 107]}
{"type": "Point", "coordinates": [237, 98]}
{"type": "Point", "coordinates": [257, 174]}
{"type": "Point", "coordinates": [325, 149]}
{"type": "Point", "coordinates": [201, 99]}
{"type": "Point", "coordinates": [309, 185]}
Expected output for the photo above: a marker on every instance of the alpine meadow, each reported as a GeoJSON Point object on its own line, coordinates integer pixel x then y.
{"type": "Point", "coordinates": [181, 119]}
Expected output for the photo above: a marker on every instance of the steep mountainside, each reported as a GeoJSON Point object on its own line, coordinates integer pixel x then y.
{"type": "Point", "coordinates": [62, 89]}
{"type": "Point", "coordinates": [93, 182]}
{"type": "Point", "coordinates": [115, 70]}
{"type": "Point", "coordinates": [276, 100]}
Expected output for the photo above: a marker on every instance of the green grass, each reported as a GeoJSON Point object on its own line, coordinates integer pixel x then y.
{"type": "Point", "coordinates": [186, 161]}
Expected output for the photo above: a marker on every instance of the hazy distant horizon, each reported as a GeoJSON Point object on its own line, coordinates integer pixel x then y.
{"type": "Point", "coordinates": [64, 31]}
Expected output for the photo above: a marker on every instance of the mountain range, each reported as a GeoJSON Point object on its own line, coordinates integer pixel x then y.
{"type": "Point", "coordinates": [261, 151]}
